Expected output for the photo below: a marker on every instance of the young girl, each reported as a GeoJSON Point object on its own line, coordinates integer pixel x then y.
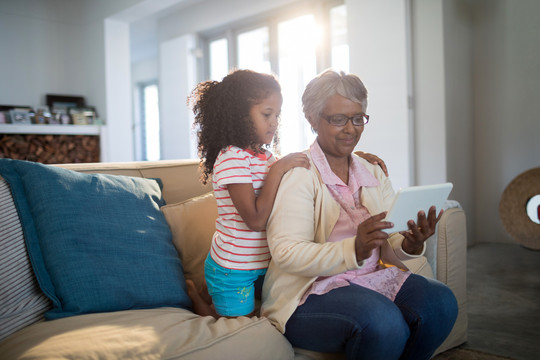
{"type": "Point", "coordinates": [236, 120]}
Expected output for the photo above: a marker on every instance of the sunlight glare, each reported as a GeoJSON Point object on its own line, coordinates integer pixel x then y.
{"type": "Point", "coordinates": [302, 34]}
{"type": "Point", "coordinates": [151, 116]}
{"type": "Point", "coordinates": [297, 39]}
{"type": "Point", "coordinates": [254, 50]}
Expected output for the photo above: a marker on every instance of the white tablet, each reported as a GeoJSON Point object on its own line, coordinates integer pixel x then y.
{"type": "Point", "coordinates": [409, 201]}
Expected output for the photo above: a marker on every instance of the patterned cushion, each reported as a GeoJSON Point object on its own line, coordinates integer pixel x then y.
{"type": "Point", "coordinates": [21, 300]}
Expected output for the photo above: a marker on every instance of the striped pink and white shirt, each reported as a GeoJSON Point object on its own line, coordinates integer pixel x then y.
{"type": "Point", "coordinates": [235, 246]}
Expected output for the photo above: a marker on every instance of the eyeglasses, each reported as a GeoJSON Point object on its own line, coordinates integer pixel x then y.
{"type": "Point", "coordinates": [342, 120]}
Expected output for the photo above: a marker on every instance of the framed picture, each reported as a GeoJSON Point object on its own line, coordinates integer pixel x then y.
{"type": "Point", "coordinates": [11, 107]}
{"type": "Point", "coordinates": [64, 101]}
{"type": "Point", "coordinates": [20, 116]}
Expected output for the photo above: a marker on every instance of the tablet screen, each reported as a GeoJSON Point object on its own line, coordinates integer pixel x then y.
{"type": "Point", "coordinates": [409, 201]}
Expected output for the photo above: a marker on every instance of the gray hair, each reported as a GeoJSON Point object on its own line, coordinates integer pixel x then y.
{"type": "Point", "coordinates": [327, 84]}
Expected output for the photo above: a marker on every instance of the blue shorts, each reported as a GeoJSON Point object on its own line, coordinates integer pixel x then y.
{"type": "Point", "coordinates": [232, 291]}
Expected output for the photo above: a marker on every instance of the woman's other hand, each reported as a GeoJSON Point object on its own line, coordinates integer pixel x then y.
{"type": "Point", "coordinates": [290, 161]}
{"type": "Point", "coordinates": [369, 235]}
{"type": "Point", "coordinates": [373, 159]}
{"type": "Point", "coordinates": [420, 231]}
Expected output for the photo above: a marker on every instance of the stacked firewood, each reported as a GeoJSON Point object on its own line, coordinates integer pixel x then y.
{"type": "Point", "coordinates": [50, 149]}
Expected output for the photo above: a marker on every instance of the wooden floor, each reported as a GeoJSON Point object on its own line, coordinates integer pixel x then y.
{"type": "Point", "coordinates": [503, 294]}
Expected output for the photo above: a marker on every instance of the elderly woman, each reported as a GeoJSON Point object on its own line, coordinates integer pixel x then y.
{"type": "Point", "coordinates": [336, 281]}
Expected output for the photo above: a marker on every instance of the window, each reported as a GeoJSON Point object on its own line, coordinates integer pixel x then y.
{"type": "Point", "coordinates": [291, 45]}
{"type": "Point", "coordinates": [254, 50]}
{"type": "Point", "coordinates": [297, 40]}
{"type": "Point", "coordinates": [147, 141]}
{"type": "Point", "coordinates": [219, 62]}
{"type": "Point", "coordinates": [338, 38]}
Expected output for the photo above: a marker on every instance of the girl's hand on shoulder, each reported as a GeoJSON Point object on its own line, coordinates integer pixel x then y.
{"type": "Point", "coordinates": [419, 232]}
{"type": "Point", "coordinates": [373, 159]}
{"type": "Point", "coordinates": [290, 161]}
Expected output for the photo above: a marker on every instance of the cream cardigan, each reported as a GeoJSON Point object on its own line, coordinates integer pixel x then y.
{"type": "Point", "coordinates": [303, 217]}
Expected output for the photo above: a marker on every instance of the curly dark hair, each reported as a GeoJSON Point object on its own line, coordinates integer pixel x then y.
{"type": "Point", "coordinates": [221, 111]}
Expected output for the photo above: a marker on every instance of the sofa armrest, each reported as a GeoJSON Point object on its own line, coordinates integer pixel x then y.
{"type": "Point", "coordinates": [451, 267]}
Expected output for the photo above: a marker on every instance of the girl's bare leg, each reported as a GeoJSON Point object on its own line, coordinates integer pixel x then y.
{"type": "Point", "coordinates": [201, 306]}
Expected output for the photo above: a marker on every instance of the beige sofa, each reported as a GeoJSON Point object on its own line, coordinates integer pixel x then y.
{"type": "Point", "coordinates": [174, 333]}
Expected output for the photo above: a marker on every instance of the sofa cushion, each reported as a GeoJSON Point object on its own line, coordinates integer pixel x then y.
{"type": "Point", "coordinates": [21, 300]}
{"type": "Point", "coordinates": [193, 223]}
{"type": "Point", "coordinates": [96, 242]}
{"type": "Point", "coordinates": [164, 333]}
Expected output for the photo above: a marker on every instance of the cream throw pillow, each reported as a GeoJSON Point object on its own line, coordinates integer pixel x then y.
{"type": "Point", "coordinates": [193, 223]}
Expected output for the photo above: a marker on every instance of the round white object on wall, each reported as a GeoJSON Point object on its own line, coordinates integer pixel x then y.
{"type": "Point", "coordinates": [533, 208]}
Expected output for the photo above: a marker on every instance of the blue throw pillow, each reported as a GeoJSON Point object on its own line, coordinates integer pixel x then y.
{"type": "Point", "coordinates": [97, 243]}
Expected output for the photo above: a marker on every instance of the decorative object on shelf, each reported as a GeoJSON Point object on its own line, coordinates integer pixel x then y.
{"type": "Point", "coordinates": [519, 209]}
{"type": "Point", "coordinates": [42, 115]}
{"type": "Point", "coordinates": [78, 117]}
{"type": "Point", "coordinates": [83, 116]}
{"type": "Point", "coordinates": [22, 113]}
{"type": "Point", "coordinates": [61, 106]}
{"type": "Point", "coordinates": [61, 116]}
{"type": "Point", "coordinates": [90, 114]}
{"type": "Point", "coordinates": [60, 109]}
{"type": "Point", "coordinates": [54, 119]}
{"type": "Point", "coordinates": [20, 116]}
{"type": "Point", "coordinates": [65, 119]}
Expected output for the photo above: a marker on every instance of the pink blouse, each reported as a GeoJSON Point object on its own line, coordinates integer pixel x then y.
{"type": "Point", "coordinates": [373, 275]}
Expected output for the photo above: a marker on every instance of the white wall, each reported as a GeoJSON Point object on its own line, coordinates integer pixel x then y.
{"type": "Point", "coordinates": [145, 71]}
{"type": "Point", "coordinates": [177, 79]}
{"type": "Point", "coordinates": [54, 46]}
{"type": "Point", "coordinates": [378, 55]}
{"type": "Point", "coordinates": [443, 101]}
{"type": "Point", "coordinates": [142, 72]}
{"type": "Point", "coordinates": [119, 133]}
{"type": "Point", "coordinates": [210, 14]}
{"type": "Point", "coordinates": [459, 107]}
{"type": "Point", "coordinates": [429, 91]}
{"type": "Point", "coordinates": [41, 51]}
{"type": "Point", "coordinates": [478, 62]}
{"type": "Point", "coordinates": [507, 106]}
